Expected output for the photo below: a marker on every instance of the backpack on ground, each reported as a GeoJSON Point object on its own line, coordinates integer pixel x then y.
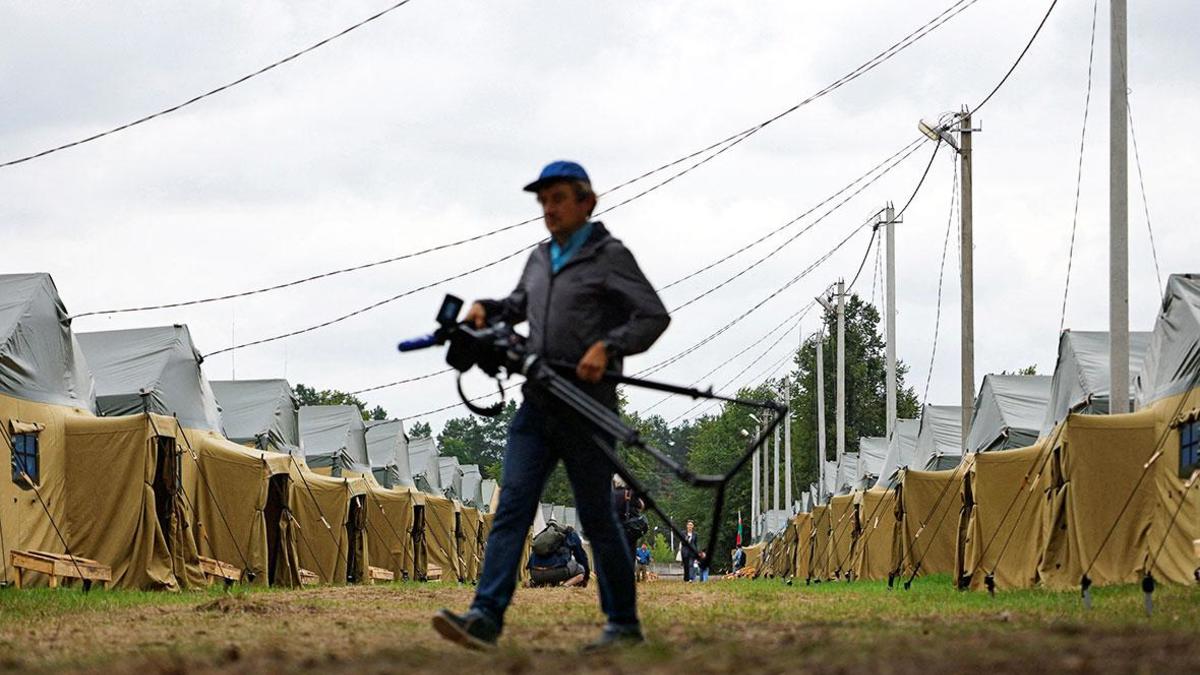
{"type": "Point", "coordinates": [550, 540]}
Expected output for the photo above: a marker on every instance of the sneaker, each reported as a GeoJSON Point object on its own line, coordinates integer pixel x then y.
{"type": "Point", "coordinates": [615, 637]}
{"type": "Point", "coordinates": [473, 630]}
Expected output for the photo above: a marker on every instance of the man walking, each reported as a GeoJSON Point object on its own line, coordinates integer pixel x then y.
{"type": "Point", "coordinates": [587, 303]}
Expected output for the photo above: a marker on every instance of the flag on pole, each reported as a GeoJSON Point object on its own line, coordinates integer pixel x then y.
{"type": "Point", "coordinates": [739, 531]}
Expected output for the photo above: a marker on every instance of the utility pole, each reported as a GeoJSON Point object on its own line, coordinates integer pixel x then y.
{"type": "Point", "coordinates": [841, 370]}
{"type": "Point", "coordinates": [820, 417]}
{"type": "Point", "coordinates": [754, 486]}
{"type": "Point", "coordinates": [1118, 214]}
{"type": "Point", "coordinates": [966, 257]}
{"type": "Point", "coordinates": [787, 453]}
{"type": "Point", "coordinates": [890, 300]}
{"type": "Point", "coordinates": [775, 483]}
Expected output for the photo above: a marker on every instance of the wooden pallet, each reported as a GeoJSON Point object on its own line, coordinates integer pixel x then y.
{"type": "Point", "coordinates": [57, 566]}
{"type": "Point", "coordinates": [433, 572]}
{"type": "Point", "coordinates": [379, 574]}
{"type": "Point", "coordinates": [214, 569]}
{"type": "Point", "coordinates": [308, 578]}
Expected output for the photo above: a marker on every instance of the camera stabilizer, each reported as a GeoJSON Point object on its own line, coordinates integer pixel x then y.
{"type": "Point", "coordinates": [497, 349]}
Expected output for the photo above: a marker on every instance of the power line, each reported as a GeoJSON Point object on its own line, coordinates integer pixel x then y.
{"type": "Point", "coordinates": [196, 99]}
{"type": "Point", "coordinates": [372, 306]}
{"type": "Point", "coordinates": [1145, 204]}
{"type": "Point", "coordinates": [1016, 63]}
{"type": "Point", "coordinates": [721, 146]}
{"type": "Point", "coordinates": [796, 236]}
{"type": "Point", "coordinates": [797, 219]}
{"type": "Point", "coordinates": [1062, 321]}
{"type": "Point", "coordinates": [726, 362]}
{"type": "Point", "coordinates": [404, 381]}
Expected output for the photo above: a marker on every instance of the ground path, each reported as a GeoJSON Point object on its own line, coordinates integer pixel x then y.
{"type": "Point", "coordinates": [718, 627]}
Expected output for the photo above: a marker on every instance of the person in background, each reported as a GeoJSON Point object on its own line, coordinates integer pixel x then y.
{"type": "Point", "coordinates": [686, 556]}
{"type": "Point", "coordinates": [739, 558]}
{"type": "Point", "coordinates": [644, 558]}
{"type": "Point", "coordinates": [702, 563]}
{"type": "Point", "coordinates": [557, 558]}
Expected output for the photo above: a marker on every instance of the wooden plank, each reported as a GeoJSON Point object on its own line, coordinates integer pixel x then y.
{"type": "Point", "coordinates": [212, 567]}
{"type": "Point", "coordinates": [433, 572]}
{"type": "Point", "coordinates": [56, 565]}
{"type": "Point", "coordinates": [380, 574]}
{"type": "Point", "coordinates": [308, 578]}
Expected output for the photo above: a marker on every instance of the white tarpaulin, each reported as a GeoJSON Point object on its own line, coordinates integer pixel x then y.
{"type": "Point", "coordinates": [151, 370]}
{"type": "Point", "coordinates": [1173, 355]}
{"type": "Point", "coordinates": [387, 448]}
{"type": "Point", "coordinates": [424, 465]}
{"type": "Point", "coordinates": [1009, 412]}
{"type": "Point", "coordinates": [262, 412]}
{"type": "Point", "coordinates": [1081, 374]}
{"type": "Point", "coordinates": [334, 436]}
{"type": "Point", "coordinates": [939, 442]}
{"type": "Point", "coordinates": [901, 448]}
{"type": "Point", "coordinates": [872, 453]}
{"type": "Point", "coordinates": [39, 357]}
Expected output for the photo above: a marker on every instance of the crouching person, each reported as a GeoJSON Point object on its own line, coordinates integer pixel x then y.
{"type": "Point", "coordinates": [558, 558]}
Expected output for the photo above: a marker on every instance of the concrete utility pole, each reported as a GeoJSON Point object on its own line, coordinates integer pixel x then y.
{"type": "Point", "coordinates": [890, 300]}
{"type": "Point", "coordinates": [1118, 214]}
{"type": "Point", "coordinates": [775, 483]}
{"type": "Point", "coordinates": [966, 256]}
{"type": "Point", "coordinates": [787, 454]}
{"type": "Point", "coordinates": [820, 417]}
{"type": "Point", "coordinates": [841, 370]}
{"type": "Point", "coordinates": [754, 486]}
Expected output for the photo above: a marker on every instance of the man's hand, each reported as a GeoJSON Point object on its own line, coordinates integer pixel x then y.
{"type": "Point", "coordinates": [477, 315]}
{"type": "Point", "coordinates": [591, 366]}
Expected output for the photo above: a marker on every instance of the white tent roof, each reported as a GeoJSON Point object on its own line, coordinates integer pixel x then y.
{"type": "Point", "coordinates": [151, 370]}
{"type": "Point", "coordinates": [901, 449]}
{"type": "Point", "coordinates": [451, 476]}
{"type": "Point", "coordinates": [488, 486]}
{"type": "Point", "coordinates": [423, 461]}
{"type": "Point", "coordinates": [40, 359]}
{"type": "Point", "coordinates": [939, 442]}
{"type": "Point", "coordinates": [334, 436]}
{"type": "Point", "coordinates": [872, 453]}
{"type": "Point", "coordinates": [472, 485]}
{"type": "Point", "coordinates": [1173, 355]}
{"type": "Point", "coordinates": [263, 412]}
{"type": "Point", "coordinates": [1081, 374]}
{"type": "Point", "coordinates": [387, 448]}
{"type": "Point", "coordinates": [1009, 412]}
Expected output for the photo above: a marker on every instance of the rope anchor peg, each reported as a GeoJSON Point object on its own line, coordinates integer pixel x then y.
{"type": "Point", "coordinates": [990, 582]}
{"type": "Point", "coordinates": [1085, 588]}
{"type": "Point", "coordinates": [1148, 585]}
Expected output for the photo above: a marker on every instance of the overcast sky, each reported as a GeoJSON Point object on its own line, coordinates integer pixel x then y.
{"type": "Point", "coordinates": [421, 127]}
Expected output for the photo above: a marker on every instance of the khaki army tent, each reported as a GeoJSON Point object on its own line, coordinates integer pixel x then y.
{"type": "Point", "coordinates": [424, 465]}
{"type": "Point", "coordinates": [754, 556]}
{"type": "Point", "coordinates": [1080, 383]}
{"type": "Point", "coordinates": [1009, 412]}
{"type": "Point", "coordinates": [1002, 527]}
{"type": "Point", "coordinates": [334, 440]}
{"type": "Point", "coordinates": [930, 504]}
{"type": "Point", "coordinates": [878, 548]}
{"type": "Point", "coordinates": [236, 498]}
{"type": "Point", "coordinates": [939, 441]}
{"type": "Point", "coordinates": [843, 532]}
{"type": "Point", "coordinates": [902, 446]}
{"type": "Point", "coordinates": [1169, 384]}
{"type": "Point", "coordinates": [333, 513]}
{"type": "Point", "coordinates": [469, 544]}
{"type": "Point", "coordinates": [820, 543]}
{"type": "Point", "coordinates": [390, 522]}
{"type": "Point", "coordinates": [802, 553]}
{"type": "Point", "coordinates": [387, 448]}
{"type": "Point", "coordinates": [262, 414]}
{"type": "Point", "coordinates": [440, 535]}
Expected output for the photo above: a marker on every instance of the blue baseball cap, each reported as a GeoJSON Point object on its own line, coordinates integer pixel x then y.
{"type": "Point", "coordinates": [557, 171]}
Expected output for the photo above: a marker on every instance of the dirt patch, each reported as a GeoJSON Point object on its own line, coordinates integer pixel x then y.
{"type": "Point", "coordinates": [230, 604]}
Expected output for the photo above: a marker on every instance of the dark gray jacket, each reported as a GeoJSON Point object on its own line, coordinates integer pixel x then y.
{"type": "Point", "coordinates": [600, 294]}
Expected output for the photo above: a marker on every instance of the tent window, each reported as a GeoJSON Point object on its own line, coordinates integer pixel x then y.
{"type": "Point", "coordinates": [25, 459]}
{"type": "Point", "coordinates": [1189, 448]}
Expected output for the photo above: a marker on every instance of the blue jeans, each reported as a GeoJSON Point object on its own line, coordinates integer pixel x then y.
{"type": "Point", "coordinates": [540, 435]}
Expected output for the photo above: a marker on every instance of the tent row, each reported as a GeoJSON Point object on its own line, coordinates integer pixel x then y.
{"type": "Point", "coordinates": [1053, 490]}
{"type": "Point", "coordinates": [123, 453]}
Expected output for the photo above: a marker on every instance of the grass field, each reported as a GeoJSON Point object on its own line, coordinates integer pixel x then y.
{"type": "Point", "coordinates": [719, 627]}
